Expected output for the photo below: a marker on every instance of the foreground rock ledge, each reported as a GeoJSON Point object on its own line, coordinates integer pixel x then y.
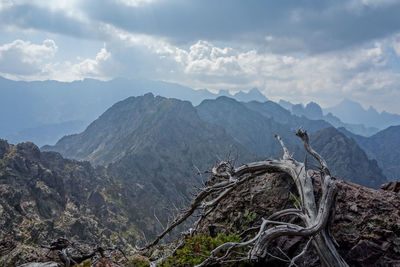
{"type": "Point", "coordinates": [366, 226]}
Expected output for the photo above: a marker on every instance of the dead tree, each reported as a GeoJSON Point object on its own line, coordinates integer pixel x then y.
{"type": "Point", "coordinates": [315, 218]}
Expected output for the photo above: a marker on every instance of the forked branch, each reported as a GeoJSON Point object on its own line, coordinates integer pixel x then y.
{"type": "Point", "coordinates": [315, 217]}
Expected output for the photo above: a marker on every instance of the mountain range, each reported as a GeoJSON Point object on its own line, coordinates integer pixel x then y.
{"type": "Point", "coordinates": [255, 124]}
{"type": "Point", "coordinates": [313, 111]}
{"type": "Point", "coordinates": [45, 111]}
{"type": "Point", "coordinates": [137, 137]}
{"type": "Point", "coordinates": [348, 114]}
{"type": "Point", "coordinates": [147, 152]}
{"type": "Point", "coordinates": [155, 146]}
{"type": "Point", "coordinates": [27, 108]}
{"type": "Point", "coordinates": [352, 112]}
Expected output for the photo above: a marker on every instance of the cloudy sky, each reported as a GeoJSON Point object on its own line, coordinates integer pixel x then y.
{"type": "Point", "coordinates": [298, 50]}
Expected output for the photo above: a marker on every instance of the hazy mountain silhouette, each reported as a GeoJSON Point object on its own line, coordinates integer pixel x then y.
{"type": "Point", "coordinates": [314, 112]}
{"type": "Point", "coordinates": [252, 95]}
{"type": "Point", "coordinates": [352, 112]}
{"type": "Point", "coordinates": [384, 147]}
{"type": "Point", "coordinates": [27, 106]}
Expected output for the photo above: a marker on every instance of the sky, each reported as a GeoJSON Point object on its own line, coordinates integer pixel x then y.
{"type": "Point", "coordinates": [298, 50]}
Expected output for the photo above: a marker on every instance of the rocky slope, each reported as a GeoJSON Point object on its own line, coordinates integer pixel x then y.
{"type": "Point", "coordinates": [43, 197]}
{"type": "Point", "coordinates": [366, 225]}
{"type": "Point", "coordinates": [346, 159]}
{"type": "Point", "coordinates": [384, 147]}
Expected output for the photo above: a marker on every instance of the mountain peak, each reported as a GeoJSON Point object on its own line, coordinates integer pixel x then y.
{"type": "Point", "coordinates": [251, 95]}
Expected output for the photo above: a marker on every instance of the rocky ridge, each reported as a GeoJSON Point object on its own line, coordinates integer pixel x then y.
{"type": "Point", "coordinates": [44, 197]}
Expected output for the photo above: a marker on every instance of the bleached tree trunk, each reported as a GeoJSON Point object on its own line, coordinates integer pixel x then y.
{"type": "Point", "coordinates": [316, 218]}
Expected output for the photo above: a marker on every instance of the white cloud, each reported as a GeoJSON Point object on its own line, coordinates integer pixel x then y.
{"type": "Point", "coordinates": [357, 4]}
{"type": "Point", "coordinates": [24, 58]}
{"type": "Point", "coordinates": [21, 60]}
{"type": "Point", "coordinates": [325, 78]}
{"type": "Point", "coordinates": [102, 67]}
{"type": "Point", "coordinates": [361, 73]}
{"type": "Point", "coordinates": [396, 44]}
{"type": "Point", "coordinates": [6, 4]}
{"type": "Point", "coordinates": [94, 68]}
{"type": "Point", "coordinates": [135, 3]}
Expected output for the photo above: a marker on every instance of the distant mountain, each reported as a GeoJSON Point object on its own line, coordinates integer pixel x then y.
{"type": "Point", "coordinates": [250, 128]}
{"type": "Point", "coordinates": [47, 133]}
{"type": "Point", "coordinates": [42, 104]}
{"type": "Point", "coordinates": [134, 125]}
{"type": "Point", "coordinates": [253, 95]}
{"type": "Point", "coordinates": [286, 104]}
{"type": "Point", "coordinates": [314, 112]}
{"type": "Point", "coordinates": [276, 112]}
{"type": "Point", "coordinates": [155, 146]}
{"type": "Point", "coordinates": [44, 197]}
{"type": "Point", "coordinates": [254, 125]}
{"type": "Point", "coordinates": [352, 112]}
{"type": "Point", "coordinates": [384, 147]}
{"type": "Point", "coordinates": [346, 159]}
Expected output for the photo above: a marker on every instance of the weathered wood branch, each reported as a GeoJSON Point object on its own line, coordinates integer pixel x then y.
{"type": "Point", "coordinates": [315, 217]}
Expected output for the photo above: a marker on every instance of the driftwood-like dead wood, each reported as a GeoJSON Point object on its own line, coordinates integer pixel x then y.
{"type": "Point", "coordinates": [315, 218]}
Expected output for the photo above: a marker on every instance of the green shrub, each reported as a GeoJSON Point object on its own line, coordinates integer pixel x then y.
{"type": "Point", "coordinates": [197, 248]}
{"type": "Point", "coordinates": [86, 263]}
{"type": "Point", "coordinates": [138, 262]}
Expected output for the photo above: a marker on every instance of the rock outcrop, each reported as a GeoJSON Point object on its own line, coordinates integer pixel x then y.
{"type": "Point", "coordinates": [366, 225]}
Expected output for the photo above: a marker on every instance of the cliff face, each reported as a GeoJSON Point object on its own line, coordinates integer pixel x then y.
{"type": "Point", "coordinates": [43, 197]}
{"type": "Point", "coordinates": [366, 225]}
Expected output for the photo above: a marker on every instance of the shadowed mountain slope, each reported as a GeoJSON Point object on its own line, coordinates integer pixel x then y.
{"type": "Point", "coordinates": [250, 128]}
{"type": "Point", "coordinates": [384, 147]}
{"type": "Point", "coordinates": [254, 125]}
{"type": "Point", "coordinates": [276, 112]}
{"type": "Point", "coordinates": [346, 159]}
{"type": "Point", "coordinates": [144, 125]}
{"type": "Point", "coordinates": [154, 146]}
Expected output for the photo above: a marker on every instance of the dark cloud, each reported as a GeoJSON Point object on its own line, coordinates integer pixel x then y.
{"type": "Point", "coordinates": [29, 16]}
{"type": "Point", "coordinates": [278, 26]}
{"type": "Point", "coordinates": [312, 26]}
